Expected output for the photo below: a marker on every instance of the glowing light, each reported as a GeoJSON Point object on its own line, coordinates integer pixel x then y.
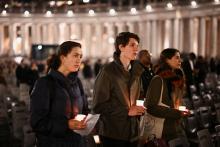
{"type": "Point", "coordinates": [13, 104]}
{"type": "Point", "coordinates": [96, 139]}
{"type": "Point", "coordinates": [193, 4]}
{"type": "Point", "coordinates": [69, 13]}
{"type": "Point", "coordinates": [86, 1]}
{"type": "Point", "coordinates": [148, 8]}
{"type": "Point", "coordinates": [4, 12]}
{"type": "Point", "coordinates": [6, 6]}
{"type": "Point", "coordinates": [39, 47]}
{"type": "Point", "coordinates": [91, 12]}
{"type": "Point", "coordinates": [48, 13]}
{"type": "Point", "coordinates": [52, 3]}
{"type": "Point", "coordinates": [133, 11]}
{"type": "Point", "coordinates": [80, 117]}
{"type": "Point", "coordinates": [112, 12]}
{"type": "Point", "coordinates": [26, 13]}
{"type": "Point", "coordinates": [216, 1]}
{"type": "Point", "coordinates": [111, 40]}
{"type": "Point", "coordinates": [169, 5]}
{"type": "Point", "coordinates": [8, 98]}
{"type": "Point", "coordinates": [69, 2]}
{"type": "Point", "coordinates": [17, 60]}
{"type": "Point", "coordinates": [139, 102]}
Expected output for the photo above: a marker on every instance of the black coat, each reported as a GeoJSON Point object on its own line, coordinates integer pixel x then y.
{"type": "Point", "coordinates": [146, 77]}
{"type": "Point", "coordinates": [49, 117]}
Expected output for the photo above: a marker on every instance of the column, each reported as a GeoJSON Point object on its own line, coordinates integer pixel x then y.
{"type": "Point", "coordinates": [67, 31]}
{"type": "Point", "coordinates": [108, 46]}
{"type": "Point", "coordinates": [180, 45]}
{"type": "Point", "coordinates": [120, 27]}
{"type": "Point", "coordinates": [159, 45]}
{"type": "Point", "coordinates": [2, 35]}
{"type": "Point", "coordinates": [86, 39]}
{"type": "Point", "coordinates": [12, 38]}
{"type": "Point", "coordinates": [202, 37]}
{"type": "Point", "coordinates": [75, 31]}
{"type": "Point", "coordinates": [63, 32]}
{"type": "Point", "coordinates": [176, 35]}
{"type": "Point", "coordinates": [45, 34]}
{"type": "Point", "coordinates": [154, 40]}
{"type": "Point", "coordinates": [142, 35]}
{"type": "Point", "coordinates": [97, 41]}
{"type": "Point", "coordinates": [194, 26]}
{"type": "Point", "coordinates": [131, 27]}
{"type": "Point", "coordinates": [25, 48]}
{"type": "Point", "coordinates": [36, 33]}
{"type": "Point", "coordinates": [214, 36]}
{"type": "Point", "coordinates": [148, 36]}
{"type": "Point", "coordinates": [51, 33]}
{"type": "Point", "coordinates": [167, 35]}
{"type": "Point", "coordinates": [56, 33]}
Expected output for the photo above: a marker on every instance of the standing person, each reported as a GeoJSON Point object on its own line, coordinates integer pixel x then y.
{"type": "Point", "coordinates": [145, 59]}
{"type": "Point", "coordinates": [170, 81]}
{"type": "Point", "coordinates": [56, 99]}
{"type": "Point", "coordinates": [97, 66]}
{"type": "Point", "coordinates": [117, 87]}
{"type": "Point", "coordinates": [33, 75]}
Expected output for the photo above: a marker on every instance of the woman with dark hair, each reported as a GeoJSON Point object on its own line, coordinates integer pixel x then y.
{"type": "Point", "coordinates": [57, 98]}
{"type": "Point", "coordinates": [169, 80]}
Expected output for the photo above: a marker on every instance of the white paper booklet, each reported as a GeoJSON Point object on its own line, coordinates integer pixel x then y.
{"type": "Point", "coordinates": [91, 120]}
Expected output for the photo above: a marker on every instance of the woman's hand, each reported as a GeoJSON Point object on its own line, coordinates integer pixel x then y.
{"type": "Point", "coordinates": [77, 125]}
{"type": "Point", "coordinates": [136, 110]}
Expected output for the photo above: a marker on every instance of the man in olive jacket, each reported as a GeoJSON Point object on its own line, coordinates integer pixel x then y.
{"type": "Point", "coordinates": [117, 87]}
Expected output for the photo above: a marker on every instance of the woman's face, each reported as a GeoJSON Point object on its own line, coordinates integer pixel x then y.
{"type": "Point", "coordinates": [175, 61]}
{"type": "Point", "coordinates": [72, 61]}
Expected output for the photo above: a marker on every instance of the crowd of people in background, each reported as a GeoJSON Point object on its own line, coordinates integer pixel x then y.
{"type": "Point", "coordinates": [27, 71]}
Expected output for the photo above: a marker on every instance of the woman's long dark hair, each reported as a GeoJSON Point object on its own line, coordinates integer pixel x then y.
{"type": "Point", "coordinates": [164, 55]}
{"type": "Point", "coordinates": [65, 48]}
{"type": "Point", "coordinates": [174, 78]}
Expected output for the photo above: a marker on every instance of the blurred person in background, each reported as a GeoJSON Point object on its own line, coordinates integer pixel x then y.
{"type": "Point", "coordinates": [145, 59]}
{"type": "Point", "coordinates": [97, 66]}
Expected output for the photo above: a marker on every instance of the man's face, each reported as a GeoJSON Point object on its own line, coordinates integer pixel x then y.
{"type": "Point", "coordinates": [130, 50]}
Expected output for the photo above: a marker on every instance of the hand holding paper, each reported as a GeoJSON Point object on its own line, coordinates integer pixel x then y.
{"type": "Point", "coordinates": [90, 120]}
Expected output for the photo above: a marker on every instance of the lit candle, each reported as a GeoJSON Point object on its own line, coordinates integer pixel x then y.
{"type": "Point", "coordinates": [80, 117]}
{"type": "Point", "coordinates": [182, 108]}
{"type": "Point", "coordinates": [96, 139]}
{"type": "Point", "coordinates": [139, 102]}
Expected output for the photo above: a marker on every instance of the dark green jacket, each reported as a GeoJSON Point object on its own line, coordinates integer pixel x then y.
{"type": "Point", "coordinates": [172, 116]}
{"type": "Point", "coordinates": [116, 90]}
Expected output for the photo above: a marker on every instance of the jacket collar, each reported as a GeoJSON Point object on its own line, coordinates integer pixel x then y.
{"type": "Point", "coordinates": [64, 81]}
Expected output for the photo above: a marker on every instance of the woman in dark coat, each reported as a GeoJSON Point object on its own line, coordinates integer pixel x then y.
{"type": "Point", "coordinates": [170, 77]}
{"type": "Point", "coordinates": [57, 98]}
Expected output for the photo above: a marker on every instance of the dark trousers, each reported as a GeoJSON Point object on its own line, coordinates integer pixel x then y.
{"type": "Point", "coordinates": [109, 142]}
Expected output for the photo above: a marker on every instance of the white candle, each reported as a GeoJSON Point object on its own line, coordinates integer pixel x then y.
{"type": "Point", "coordinates": [139, 102]}
{"type": "Point", "coordinates": [96, 139]}
{"type": "Point", "coordinates": [182, 108]}
{"type": "Point", "coordinates": [80, 117]}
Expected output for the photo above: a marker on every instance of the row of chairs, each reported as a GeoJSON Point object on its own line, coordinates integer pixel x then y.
{"type": "Point", "coordinates": [19, 130]}
{"type": "Point", "coordinates": [204, 139]}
